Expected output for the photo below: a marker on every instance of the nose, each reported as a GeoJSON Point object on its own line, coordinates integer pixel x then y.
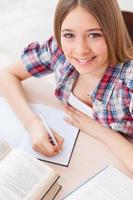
{"type": "Point", "coordinates": [82, 47]}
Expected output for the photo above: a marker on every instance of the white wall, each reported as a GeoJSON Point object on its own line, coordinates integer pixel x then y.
{"type": "Point", "coordinates": [24, 21]}
{"type": "Point", "coordinates": [126, 4]}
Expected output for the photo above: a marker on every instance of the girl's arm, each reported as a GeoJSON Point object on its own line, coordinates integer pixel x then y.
{"type": "Point", "coordinates": [118, 144]}
{"type": "Point", "coordinates": [11, 88]}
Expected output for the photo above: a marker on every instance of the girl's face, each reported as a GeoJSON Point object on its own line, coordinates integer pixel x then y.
{"type": "Point", "coordinates": [83, 42]}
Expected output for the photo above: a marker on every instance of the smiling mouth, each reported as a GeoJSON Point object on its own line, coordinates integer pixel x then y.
{"type": "Point", "coordinates": [85, 61]}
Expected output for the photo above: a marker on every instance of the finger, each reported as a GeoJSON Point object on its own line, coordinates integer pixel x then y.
{"type": "Point", "coordinates": [51, 151]}
{"type": "Point", "coordinates": [58, 137]}
{"type": "Point", "coordinates": [72, 122]}
{"type": "Point", "coordinates": [50, 138]}
{"type": "Point", "coordinates": [50, 154]}
{"type": "Point", "coordinates": [45, 146]}
{"type": "Point", "coordinates": [72, 113]}
{"type": "Point", "coordinates": [73, 116]}
{"type": "Point", "coordinates": [70, 109]}
{"type": "Point", "coordinates": [50, 146]}
{"type": "Point", "coordinates": [41, 149]}
{"type": "Point", "coordinates": [59, 140]}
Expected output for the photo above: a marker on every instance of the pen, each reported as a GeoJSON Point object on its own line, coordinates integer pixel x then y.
{"type": "Point", "coordinates": [48, 129]}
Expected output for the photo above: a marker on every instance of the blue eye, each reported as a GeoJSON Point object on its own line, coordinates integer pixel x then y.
{"type": "Point", "coordinates": [68, 35]}
{"type": "Point", "coordinates": [95, 35]}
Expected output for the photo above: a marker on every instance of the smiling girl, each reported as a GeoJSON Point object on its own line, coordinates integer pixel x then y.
{"type": "Point", "coordinates": [91, 57]}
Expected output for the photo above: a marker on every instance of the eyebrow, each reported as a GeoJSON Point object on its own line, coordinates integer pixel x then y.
{"type": "Point", "coordinates": [89, 30]}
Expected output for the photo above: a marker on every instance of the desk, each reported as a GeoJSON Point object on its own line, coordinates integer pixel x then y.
{"type": "Point", "coordinates": [89, 155]}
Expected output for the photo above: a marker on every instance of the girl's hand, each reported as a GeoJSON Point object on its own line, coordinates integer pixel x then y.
{"type": "Point", "coordinates": [41, 141]}
{"type": "Point", "coordinates": [78, 119]}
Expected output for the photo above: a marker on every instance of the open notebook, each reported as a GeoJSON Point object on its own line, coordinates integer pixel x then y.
{"type": "Point", "coordinates": [14, 133]}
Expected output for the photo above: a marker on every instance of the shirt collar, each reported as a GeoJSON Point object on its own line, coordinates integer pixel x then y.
{"type": "Point", "coordinates": [67, 80]}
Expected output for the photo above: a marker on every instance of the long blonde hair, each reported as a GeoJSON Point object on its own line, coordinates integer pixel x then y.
{"type": "Point", "coordinates": [109, 16]}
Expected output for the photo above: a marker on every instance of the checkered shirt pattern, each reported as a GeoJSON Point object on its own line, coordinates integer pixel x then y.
{"type": "Point", "coordinates": [112, 98]}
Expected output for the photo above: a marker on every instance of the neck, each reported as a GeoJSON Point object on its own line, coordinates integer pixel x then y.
{"type": "Point", "coordinates": [95, 75]}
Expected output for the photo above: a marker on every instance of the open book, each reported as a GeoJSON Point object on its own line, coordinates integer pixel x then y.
{"type": "Point", "coordinates": [108, 184]}
{"type": "Point", "coordinates": [14, 133]}
{"type": "Point", "coordinates": [23, 177]}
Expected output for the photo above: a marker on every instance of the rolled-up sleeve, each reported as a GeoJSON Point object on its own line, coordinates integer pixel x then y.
{"type": "Point", "coordinates": [131, 104]}
{"type": "Point", "coordinates": [37, 59]}
{"type": "Point", "coordinates": [129, 80]}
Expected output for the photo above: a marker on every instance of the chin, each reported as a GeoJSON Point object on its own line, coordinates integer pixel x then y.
{"type": "Point", "coordinates": [85, 71]}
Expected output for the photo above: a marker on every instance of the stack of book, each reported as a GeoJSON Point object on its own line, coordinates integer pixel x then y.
{"type": "Point", "coordinates": [23, 177]}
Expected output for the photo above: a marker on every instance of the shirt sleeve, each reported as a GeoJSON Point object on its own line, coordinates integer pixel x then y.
{"type": "Point", "coordinates": [37, 59]}
{"type": "Point", "coordinates": [131, 102]}
{"type": "Point", "coordinates": [129, 80]}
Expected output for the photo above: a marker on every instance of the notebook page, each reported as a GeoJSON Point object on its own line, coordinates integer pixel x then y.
{"type": "Point", "coordinates": [54, 118]}
{"type": "Point", "coordinates": [110, 184]}
{"type": "Point", "coordinates": [14, 133]}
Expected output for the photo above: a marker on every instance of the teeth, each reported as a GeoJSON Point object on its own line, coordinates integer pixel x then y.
{"type": "Point", "coordinates": [84, 60]}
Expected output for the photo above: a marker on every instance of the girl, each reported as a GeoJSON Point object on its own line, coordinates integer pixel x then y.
{"type": "Point", "coordinates": [91, 57]}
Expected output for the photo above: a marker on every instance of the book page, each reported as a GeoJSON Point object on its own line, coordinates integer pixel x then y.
{"type": "Point", "coordinates": [109, 184]}
{"type": "Point", "coordinates": [24, 177]}
{"type": "Point", "coordinates": [18, 137]}
{"type": "Point", "coordinates": [4, 148]}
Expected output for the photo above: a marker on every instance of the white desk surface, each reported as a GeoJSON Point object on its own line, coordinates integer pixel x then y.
{"type": "Point", "coordinates": [89, 156]}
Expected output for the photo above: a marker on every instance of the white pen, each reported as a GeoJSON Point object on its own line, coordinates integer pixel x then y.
{"type": "Point", "coordinates": [48, 129]}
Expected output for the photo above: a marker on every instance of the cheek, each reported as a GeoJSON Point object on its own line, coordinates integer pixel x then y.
{"type": "Point", "coordinates": [66, 47]}
{"type": "Point", "coordinates": [102, 48]}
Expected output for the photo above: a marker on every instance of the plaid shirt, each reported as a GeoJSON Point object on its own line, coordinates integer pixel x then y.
{"type": "Point", "coordinates": [112, 98]}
